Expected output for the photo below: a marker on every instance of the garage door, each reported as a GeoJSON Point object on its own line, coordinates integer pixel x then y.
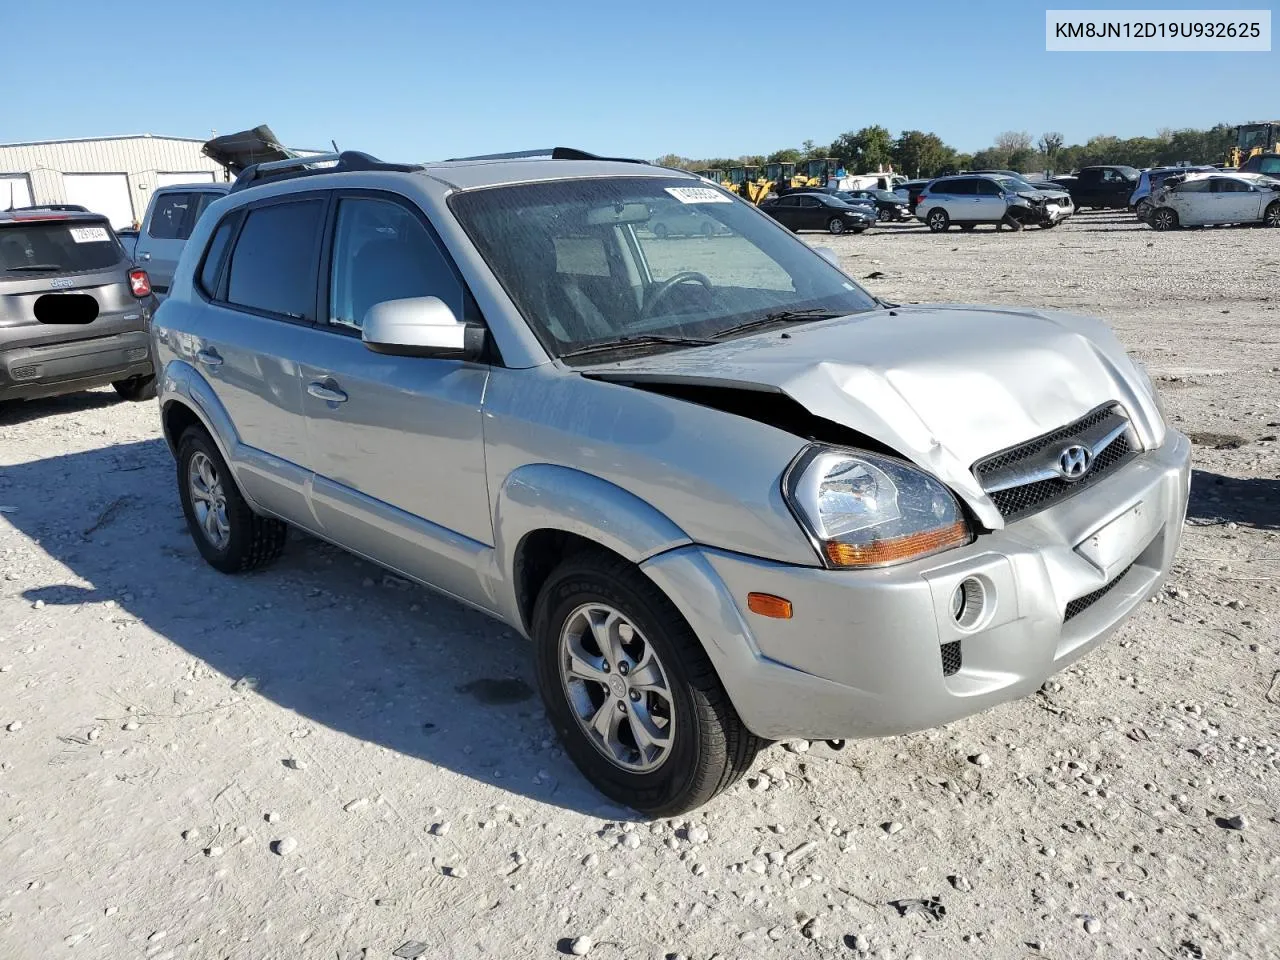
{"type": "Point", "coordinates": [197, 176]}
{"type": "Point", "coordinates": [105, 193]}
{"type": "Point", "coordinates": [15, 191]}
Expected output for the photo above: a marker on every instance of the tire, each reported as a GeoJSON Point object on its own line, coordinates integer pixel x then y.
{"type": "Point", "coordinates": [1049, 224]}
{"type": "Point", "coordinates": [1143, 209]}
{"type": "Point", "coordinates": [858, 230]}
{"type": "Point", "coordinates": [884, 216]}
{"type": "Point", "coordinates": [238, 540]}
{"type": "Point", "coordinates": [136, 389]}
{"type": "Point", "coordinates": [835, 226]}
{"type": "Point", "coordinates": [1271, 216]}
{"type": "Point", "coordinates": [1012, 223]}
{"type": "Point", "coordinates": [1163, 218]}
{"type": "Point", "coordinates": [938, 220]}
{"type": "Point", "coordinates": [660, 231]}
{"type": "Point", "coordinates": [709, 747]}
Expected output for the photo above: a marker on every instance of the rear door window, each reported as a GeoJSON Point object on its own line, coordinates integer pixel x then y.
{"type": "Point", "coordinates": [170, 216]}
{"type": "Point", "coordinates": [214, 255]}
{"type": "Point", "coordinates": [273, 265]}
{"type": "Point", "coordinates": [57, 246]}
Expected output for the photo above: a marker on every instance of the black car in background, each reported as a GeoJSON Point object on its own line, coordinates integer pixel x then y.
{"type": "Point", "coordinates": [818, 211]}
{"type": "Point", "coordinates": [1103, 187]}
{"type": "Point", "coordinates": [888, 205]}
{"type": "Point", "coordinates": [1267, 164]}
{"type": "Point", "coordinates": [914, 188]}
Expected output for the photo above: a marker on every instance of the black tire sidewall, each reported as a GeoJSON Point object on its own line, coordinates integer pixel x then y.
{"type": "Point", "coordinates": [228, 559]}
{"type": "Point", "coordinates": [136, 389]}
{"type": "Point", "coordinates": [564, 592]}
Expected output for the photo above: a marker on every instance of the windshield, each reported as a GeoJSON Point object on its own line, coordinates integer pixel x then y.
{"type": "Point", "coordinates": [596, 260]}
{"type": "Point", "coordinates": [57, 246]}
{"type": "Point", "coordinates": [1013, 184]}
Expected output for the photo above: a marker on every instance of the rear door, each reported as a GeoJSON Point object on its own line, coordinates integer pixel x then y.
{"type": "Point", "coordinates": [962, 200]}
{"type": "Point", "coordinates": [259, 276]}
{"type": "Point", "coordinates": [787, 211]}
{"type": "Point", "coordinates": [1087, 188]}
{"type": "Point", "coordinates": [1234, 201]}
{"type": "Point", "coordinates": [812, 214]}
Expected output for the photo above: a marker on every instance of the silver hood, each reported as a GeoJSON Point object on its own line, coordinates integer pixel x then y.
{"type": "Point", "coordinates": [945, 386]}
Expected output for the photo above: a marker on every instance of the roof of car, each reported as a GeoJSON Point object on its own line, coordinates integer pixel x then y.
{"type": "Point", "coordinates": [32, 214]}
{"type": "Point", "coordinates": [465, 173]}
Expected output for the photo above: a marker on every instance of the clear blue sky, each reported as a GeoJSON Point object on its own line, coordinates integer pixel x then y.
{"type": "Point", "coordinates": [426, 80]}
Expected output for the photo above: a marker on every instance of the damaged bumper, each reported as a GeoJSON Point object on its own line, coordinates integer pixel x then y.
{"type": "Point", "coordinates": [882, 652]}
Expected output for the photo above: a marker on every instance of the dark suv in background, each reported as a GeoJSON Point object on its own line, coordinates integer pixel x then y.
{"type": "Point", "coordinates": [73, 313]}
{"type": "Point", "coordinates": [1103, 188]}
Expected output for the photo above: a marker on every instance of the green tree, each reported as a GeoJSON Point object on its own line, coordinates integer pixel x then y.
{"type": "Point", "coordinates": [789, 155]}
{"type": "Point", "coordinates": [919, 154]}
{"type": "Point", "coordinates": [864, 151]}
{"type": "Point", "coordinates": [1050, 145]}
{"type": "Point", "coordinates": [675, 160]}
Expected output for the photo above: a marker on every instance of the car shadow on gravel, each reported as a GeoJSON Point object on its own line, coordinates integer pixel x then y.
{"type": "Point", "coordinates": [332, 638]}
{"type": "Point", "coordinates": [16, 412]}
{"type": "Point", "coordinates": [1247, 501]}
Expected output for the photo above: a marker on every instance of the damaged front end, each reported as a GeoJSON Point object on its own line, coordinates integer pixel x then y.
{"type": "Point", "coordinates": [1036, 209]}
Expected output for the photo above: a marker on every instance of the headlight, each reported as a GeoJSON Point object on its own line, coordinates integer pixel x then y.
{"type": "Point", "coordinates": [864, 510]}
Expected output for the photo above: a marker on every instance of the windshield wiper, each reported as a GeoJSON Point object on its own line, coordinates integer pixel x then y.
{"type": "Point", "coordinates": [636, 340]}
{"type": "Point", "coordinates": [780, 316]}
{"type": "Point", "coordinates": [34, 266]}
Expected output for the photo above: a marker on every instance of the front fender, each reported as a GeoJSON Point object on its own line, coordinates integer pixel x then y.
{"type": "Point", "coordinates": [544, 496]}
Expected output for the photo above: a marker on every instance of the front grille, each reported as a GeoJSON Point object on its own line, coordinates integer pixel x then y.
{"type": "Point", "coordinates": [951, 659]}
{"type": "Point", "coordinates": [1081, 604]}
{"type": "Point", "coordinates": [1031, 457]}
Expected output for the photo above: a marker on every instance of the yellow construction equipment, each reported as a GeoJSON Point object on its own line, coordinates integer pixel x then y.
{"type": "Point", "coordinates": [818, 172]}
{"type": "Point", "coordinates": [1254, 138]}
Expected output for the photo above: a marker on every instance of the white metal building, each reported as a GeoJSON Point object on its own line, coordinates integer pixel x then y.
{"type": "Point", "coordinates": [109, 175]}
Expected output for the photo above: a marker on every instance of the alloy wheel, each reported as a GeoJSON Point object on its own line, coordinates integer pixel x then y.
{"type": "Point", "coordinates": [617, 688]}
{"type": "Point", "coordinates": [208, 500]}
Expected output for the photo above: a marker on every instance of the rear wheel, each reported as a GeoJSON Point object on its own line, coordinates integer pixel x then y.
{"type": "Point", "coordinates": [938, 220]}
{"type": "Point", "coordinates": [136, 388]}
{"type": "Point", "coordinates": [228, 534]}
{"type": "Point", "coordinates": [660, 231]}
{"type": "Point", "coordinates": [1164, 219]}
{"type": "Point", "coordinates": [630, 690]}
{"type": "Point", "coordinates": [1271, 217]}
{"type": "Point", "coordinates": [835, 225]}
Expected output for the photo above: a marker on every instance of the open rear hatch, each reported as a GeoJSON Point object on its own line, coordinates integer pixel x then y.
{"type": "Point", "coordinates": [235, 151]}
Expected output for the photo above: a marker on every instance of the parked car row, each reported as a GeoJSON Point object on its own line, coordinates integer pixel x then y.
{"type": "Point", "coordinates": [1213, 199]}
{"type": "Point", "coordinates": [1003, 200]}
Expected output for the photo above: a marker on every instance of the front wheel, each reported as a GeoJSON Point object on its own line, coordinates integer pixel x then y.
{"type": "Point", "coordinates": [136, 389]}
{"type": "Point", "coordinates": [630, 690]}
{"type": "Point", "coordinates": [1048, 224]}
{"type": "Point", "coordinates": [228, 534]}
{"type": "Point", "coordinates": [938, 220]}
{"type": "Point", "coordinates": [660, 231]}
{"type": "Point", "coordinates": [835, 225]}
{"type": "Point", "coordinates": [1142, 210]}
{"type": "Point", "coordinates": [1271, 217]}
{"type": "Point", "coordinates": [884, 216]}
{"type": "Point", "coordinates": [1164, 219]}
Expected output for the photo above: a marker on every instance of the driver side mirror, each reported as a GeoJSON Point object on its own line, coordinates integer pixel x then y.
{"type": "Point", "coordinates": [421, 327]}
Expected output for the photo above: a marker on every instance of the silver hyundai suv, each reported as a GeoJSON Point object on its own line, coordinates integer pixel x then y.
{"type": "Point", "coordinates": [730, 496]}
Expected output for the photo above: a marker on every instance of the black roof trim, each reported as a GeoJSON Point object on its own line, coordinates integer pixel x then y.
{"type": "Point", "coordinates": [548, 153]}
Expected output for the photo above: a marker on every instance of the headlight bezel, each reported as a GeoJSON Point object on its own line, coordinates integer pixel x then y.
{"type": "Point", "coordinates": [846, 550]}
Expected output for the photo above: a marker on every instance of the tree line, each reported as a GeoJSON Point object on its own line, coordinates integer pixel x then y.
{"type": "Point", "coordinates": [920, 154]}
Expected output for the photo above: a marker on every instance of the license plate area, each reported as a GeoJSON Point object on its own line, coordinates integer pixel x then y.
{"type": "Point", "coordinates": [1116, 544]}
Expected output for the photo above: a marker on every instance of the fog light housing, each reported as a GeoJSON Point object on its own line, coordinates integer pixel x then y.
{"type": "Point", "coordinates": [969, 603]}
{"type": "Point", "coordinates": [136, 353]}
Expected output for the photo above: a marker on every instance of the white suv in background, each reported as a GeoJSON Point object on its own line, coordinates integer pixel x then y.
{"type": "Point", "coordinates": [171, 216]}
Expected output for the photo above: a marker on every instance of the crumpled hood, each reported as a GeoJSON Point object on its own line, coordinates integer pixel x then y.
{"type": "Point", "coordinates": [945, 386]}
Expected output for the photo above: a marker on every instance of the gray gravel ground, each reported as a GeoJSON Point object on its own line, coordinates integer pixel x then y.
{"type": "Point", "coordinates": [323, 761]}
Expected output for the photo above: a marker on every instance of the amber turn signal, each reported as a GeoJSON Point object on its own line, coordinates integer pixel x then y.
{"type": "Point", "coordinates": [767, 605]}
{"type": "Point", "coordinates": [880, 552]}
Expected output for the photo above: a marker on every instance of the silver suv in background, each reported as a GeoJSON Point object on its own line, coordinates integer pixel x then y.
{"type": "Point", "coordinates": [973, 199]}
{"type": "Point", "coordinates": [729, 495]}
{"type": "Point", "coordinates": [171, 216]}
{"type": "Point", "coordinates": [73, 314]}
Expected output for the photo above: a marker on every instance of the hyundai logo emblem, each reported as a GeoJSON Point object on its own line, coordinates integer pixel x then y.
{"type": "Point", "coordinates": [1074, 462]}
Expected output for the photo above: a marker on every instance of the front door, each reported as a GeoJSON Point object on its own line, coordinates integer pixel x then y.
{"type": "Point", "coordinates": [396, 443]}
{"type": "Point", "coordinates": [991, 203]}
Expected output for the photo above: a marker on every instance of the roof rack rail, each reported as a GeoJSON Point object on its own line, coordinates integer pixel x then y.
{"type": "Point", "coordinates": [548, 153]}
{"type": "Point", "coordinates": [346, 161]}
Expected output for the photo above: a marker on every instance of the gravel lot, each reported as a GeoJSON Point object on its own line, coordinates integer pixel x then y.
{"type": "Point", "coordinates": [323, 761]}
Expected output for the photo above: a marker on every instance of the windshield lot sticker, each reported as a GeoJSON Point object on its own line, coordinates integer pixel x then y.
{"type": "Point", "coordinates": [698, 195]}
{"type": "Point", "coordinates": [89, 235]}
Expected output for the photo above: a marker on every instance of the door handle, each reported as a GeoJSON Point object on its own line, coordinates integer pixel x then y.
{"type": "Point", "coordinates": [209, 358]}
{"type": "Point", "coordinates": [144, 256]}
{"type": "Point", "coordinates": [323, 392]}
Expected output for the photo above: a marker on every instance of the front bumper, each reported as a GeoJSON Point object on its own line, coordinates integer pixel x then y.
{"type": "Point", "coordinates": [58, 368]}
{"type": "Point", "coordinates": [864, 653]}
